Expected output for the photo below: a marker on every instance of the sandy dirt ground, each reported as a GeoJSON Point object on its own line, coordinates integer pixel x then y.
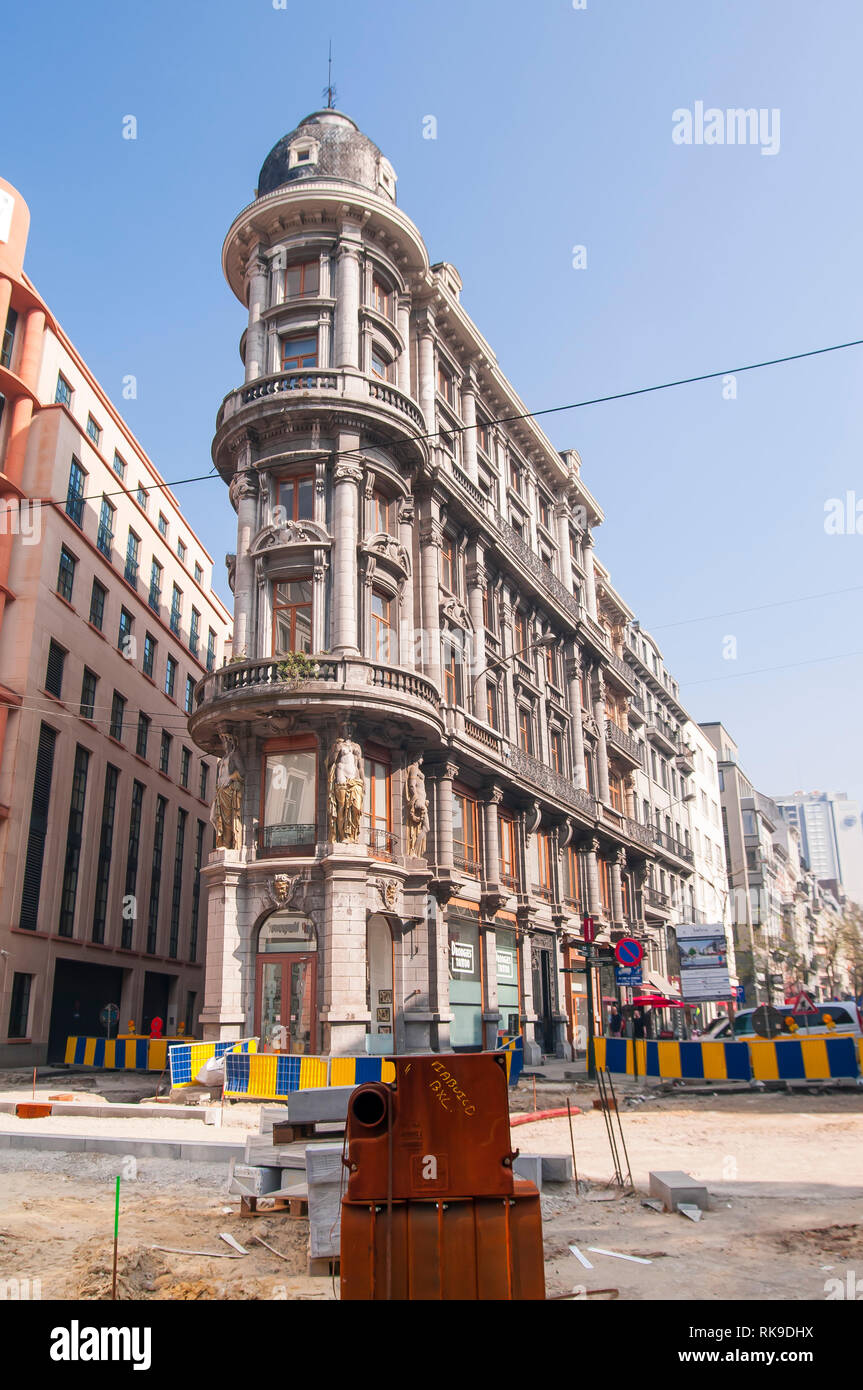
{"type": "Point", "coordinates": [785, 1173]}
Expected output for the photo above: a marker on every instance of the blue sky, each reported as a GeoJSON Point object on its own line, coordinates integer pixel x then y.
{"type": "Point", "coordinates": [554, 130]}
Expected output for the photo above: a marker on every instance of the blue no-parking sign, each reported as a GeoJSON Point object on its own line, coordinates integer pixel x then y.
{"type": "Point", "coordinates": [628, 975]}
{"type": "Point", "coordinates": [628, 951]}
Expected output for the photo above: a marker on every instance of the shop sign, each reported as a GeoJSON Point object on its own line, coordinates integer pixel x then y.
{"type": "Point", "coordinates": [461, 957]}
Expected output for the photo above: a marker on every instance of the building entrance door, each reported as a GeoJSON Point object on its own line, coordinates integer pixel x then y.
{"type": "Point", "coordinates": [286, 983]}
{"type": "Point", "coordinates": [380, 974]}
{"type": "Point", "coordinates": [543, 993]}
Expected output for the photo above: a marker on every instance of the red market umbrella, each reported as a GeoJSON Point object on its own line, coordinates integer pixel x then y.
{"type": "Point", "coordinates": [657, 1001]}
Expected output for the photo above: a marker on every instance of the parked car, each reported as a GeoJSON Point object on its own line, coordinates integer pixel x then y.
{"type": "Point", "coordinates": [846, 1017]}
{"type": "Point", "coordinates": [844, 1014]}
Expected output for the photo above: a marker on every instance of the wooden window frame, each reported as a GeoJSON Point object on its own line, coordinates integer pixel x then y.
{"type": "Point", "coordinates": [470, 820]}
{"type": "Point", "coordinates": [290, 743]}
{"type": "Point", "coordinates": [382, 627]}
{"type": "Point", "coordinates": [291, 485]}
{"type": "Point", "coordinates": [302, 267]}
{"type": "Point", "coordinates": [293, 609]}
{"type": "Point", "coordinates": [299, 358]}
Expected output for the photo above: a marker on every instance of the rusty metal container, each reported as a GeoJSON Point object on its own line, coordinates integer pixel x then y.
{"type": "Point", "coordinates": [432, 1209]}
{"type": "Point", "coordinates": [443, 1126]}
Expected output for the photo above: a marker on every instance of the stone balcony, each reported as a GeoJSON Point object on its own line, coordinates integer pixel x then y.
{"type": "Point", "coordinates": [315, 388]}
{"type": "Point", "coordinates": [255, 691]}
{"type": "Point", "coordinates": [624, 744]}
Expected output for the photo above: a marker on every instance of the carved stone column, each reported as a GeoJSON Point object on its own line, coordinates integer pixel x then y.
{"type": "Point", "coordinates": [562, 514]}
{"type": "Point", "coordinates": [601, 745]}
{"type": "Point", "coordinates": [347, 334]}
{"type": "Point", "coordinates": [257, 279]}
{"type": "Point", "coordinates": [476, 586]}
{"type": "Point", "coordinates": [491, 799]}
{"type": "Point", "coordinates": [430, 544]}
{"type": "Point", "coordinates": [426, 361]}
{"type": "Point", "coordinates": [403, 365]}
{"type": "Point", "coordinates": [407, 652]}
{"type": "Point", "coordinates": [347, 476]}
{"type": "Point", "coordinates": [573, 683]}
{"type": "Point", "coordinates": [616, 867]}
{"type": "Point", "coordinates": [590, 851]}
{"type": "Point", "coordinates": [243, 492]}
{"type": "Point", "coordinates": [590, 576]}
{"type": "Point", "coordinates": [468, 411]}
{"type": "Point", "coordinates": [442, 778]}
{"type": "Point", "coordinates": [507, 648]}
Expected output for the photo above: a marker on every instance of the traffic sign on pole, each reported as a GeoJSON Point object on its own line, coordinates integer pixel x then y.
{"type": "Point", "coordinates": [589, 929]}
{"type": "Point", "coordinates": [628, 951]}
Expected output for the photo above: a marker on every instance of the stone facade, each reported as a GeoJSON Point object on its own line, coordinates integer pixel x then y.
{"type": "Point", "coordinates": [430, 556]}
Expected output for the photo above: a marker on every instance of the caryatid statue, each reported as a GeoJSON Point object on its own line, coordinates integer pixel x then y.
{"type": "Point", "coordinates": [346, 789]}
{"type": "Point", "coordinates": [416, 810]}
{"type": "Point", "coordinates": [226, 812]}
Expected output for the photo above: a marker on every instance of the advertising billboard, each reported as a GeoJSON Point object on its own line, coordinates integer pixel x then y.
{"type": "Point", "coordinates": [703, 962]}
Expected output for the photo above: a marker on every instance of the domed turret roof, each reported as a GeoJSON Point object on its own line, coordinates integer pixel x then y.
{"type": "Point", "coordinates": [327, 145]}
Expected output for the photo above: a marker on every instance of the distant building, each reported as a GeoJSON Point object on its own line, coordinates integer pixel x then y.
{"type": "Point", "coordinates": [831, 836]}
{"type": "Point", "coordinates": [107, 622]}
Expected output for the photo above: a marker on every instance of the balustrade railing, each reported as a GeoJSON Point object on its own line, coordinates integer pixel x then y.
{"type": "Point", "coordinates": [623, 741]}
{"type": "Point", "coordinates": [246, 675]}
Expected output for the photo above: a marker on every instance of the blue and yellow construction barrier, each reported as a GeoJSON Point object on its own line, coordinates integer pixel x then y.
{"type": "Point", "coordinates": [186, 1059]}
{"type": "Point", "coordinates": [779, 1059]}
{"type": "Point", "coordinates": [122, 1054]}
{"type": "Point", "coordinates": [513, 1048]}
{"type": "Point", "coordinates": [274, 1076]}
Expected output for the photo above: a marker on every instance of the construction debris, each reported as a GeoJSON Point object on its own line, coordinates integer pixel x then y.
{"type": "Point", "coordinates": [673, 1187]}
{"type": "Point", "coordinates": [581, 1258]}
{"type": "Point", "coordinates": [617, 1255]}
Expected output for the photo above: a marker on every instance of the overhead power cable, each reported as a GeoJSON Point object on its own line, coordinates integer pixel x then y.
{"type": "Point", "coordinates": [762, 670]}
{"type": "Point", "coordinates": [512, 419]}
{"type": "Point", "coordinates": [757, 608]}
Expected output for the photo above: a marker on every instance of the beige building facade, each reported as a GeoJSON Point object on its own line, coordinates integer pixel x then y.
{"type": "Point", "coordinates": [109, 620]}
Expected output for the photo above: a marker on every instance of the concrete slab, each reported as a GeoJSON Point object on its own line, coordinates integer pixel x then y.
{"type": "Point", "coordinates": [556, 1167]}
{"type": "Point", "coordinates": [529, 1166]}
{"type": "Point", "coordinates": [673, 1187]}
{"type": "Point", "coordinates": [318, 1104]}
{"type": "Point", "coordinates": [52, 1143]}
{"type": "Point", "coordinates": [324, 1164]}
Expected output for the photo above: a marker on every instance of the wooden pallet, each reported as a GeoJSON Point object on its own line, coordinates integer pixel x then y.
{"type": "Point", "coordinates": [295, 1207]}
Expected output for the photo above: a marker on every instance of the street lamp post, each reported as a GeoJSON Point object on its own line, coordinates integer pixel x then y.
{"type": "Point", "coordinates": [549, 640]}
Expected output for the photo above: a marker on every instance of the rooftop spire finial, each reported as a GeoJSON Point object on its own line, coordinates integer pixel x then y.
{"type": "Point", "coordinates": [329, 90]}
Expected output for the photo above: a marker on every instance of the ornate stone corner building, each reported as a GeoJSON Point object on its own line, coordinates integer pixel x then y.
{"type": "Point", "coordinates": [418, 801]}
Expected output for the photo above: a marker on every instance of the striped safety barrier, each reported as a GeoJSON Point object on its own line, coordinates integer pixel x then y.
{"type": "Point", "coordinates": [186, 1059]}
{"type": "Point", "coordinates": [804, 1059]}
{"type": "Point", "coordinates": [513, 1047]}
{"type": "Point", "coordinates": [779, 1059]}
{"type": "Point", "coordinates": [121, 1054]}
{"type": "Point", "coordinates": [273, 1076]}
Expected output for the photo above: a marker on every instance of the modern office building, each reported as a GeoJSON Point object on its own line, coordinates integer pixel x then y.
{"type": "Point", "coordinates": [831, 836]}
{"type": "Point", "coordinates": [107, 622]}
{"type": "Point", "coordinates": [430, 729]}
